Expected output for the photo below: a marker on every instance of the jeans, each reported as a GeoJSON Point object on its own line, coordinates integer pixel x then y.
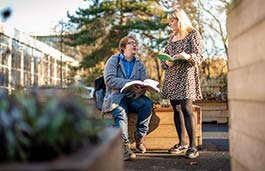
{"type": "Point", "coordinates": [143, 106]}
{"type": "Point", "coordinates": [184, 118]}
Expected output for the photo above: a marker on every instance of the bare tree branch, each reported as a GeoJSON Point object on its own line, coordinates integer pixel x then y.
{"type": "Point", "coordinates": [220, 30]}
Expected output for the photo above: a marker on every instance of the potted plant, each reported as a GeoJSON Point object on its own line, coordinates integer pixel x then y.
{"type": "Point", "coordinates": [55, 132]}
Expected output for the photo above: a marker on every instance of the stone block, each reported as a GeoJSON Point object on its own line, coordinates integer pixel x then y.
{"type": "Point", "coordinates": [247, 83]}
{"type": "Point", "coordinates": [245, 149]}
{"type": "Point", "coordinates": [245, 15]}
{"type": "Point", "coordinates": [248, 48]}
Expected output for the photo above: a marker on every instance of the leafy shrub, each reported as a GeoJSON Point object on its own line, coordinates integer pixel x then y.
{"type": "Point", "coordinates": [155, 97]}
{"type": "Point", "coordinates": [35, 126]}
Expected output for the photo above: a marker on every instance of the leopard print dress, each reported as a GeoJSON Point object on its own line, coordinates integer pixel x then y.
{"type": "Point", "coordinates": [181, 81]}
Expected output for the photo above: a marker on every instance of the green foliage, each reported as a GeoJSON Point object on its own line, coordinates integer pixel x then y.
{"type": "Point", "coordinates": [214, 79]}
{"type": "Point", "coordinates": [155, 97]}
{"type": "Point", "coordinates": [104, 23]}
{"type": "Point", "coordinates": [40, 126]}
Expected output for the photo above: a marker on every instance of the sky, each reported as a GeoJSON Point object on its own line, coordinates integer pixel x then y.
{"type": "Point", "coordinates": [38, 17]}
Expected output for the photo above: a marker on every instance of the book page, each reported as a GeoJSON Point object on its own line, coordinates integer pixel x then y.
{"type": "Point", "coordinates": [151, 82]}
{"type": "Point", "coordinates": [151, 88]}
{"type": "Point", "coordinates": [130, 84]}
{"type": "Point", "coordinates": [147, 84]}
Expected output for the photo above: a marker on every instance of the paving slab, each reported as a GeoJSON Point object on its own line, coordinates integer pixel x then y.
{"type": "Point", "coordinates": [214, 155]}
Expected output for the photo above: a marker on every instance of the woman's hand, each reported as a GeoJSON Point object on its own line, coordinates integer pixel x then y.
{"type": "Point", "coordinates": [183, 55]}
{"type": "Point", "coordinates": [169, 63]}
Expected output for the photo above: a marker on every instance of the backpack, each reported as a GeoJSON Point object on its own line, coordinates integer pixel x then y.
{"type": "Point", "coordinates": [100, 89]}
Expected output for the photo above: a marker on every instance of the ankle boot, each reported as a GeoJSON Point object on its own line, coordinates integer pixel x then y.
{"type": "Point", "coordinates": [139, 143]}
{"type": "Point", "coordinates": [127, 153]}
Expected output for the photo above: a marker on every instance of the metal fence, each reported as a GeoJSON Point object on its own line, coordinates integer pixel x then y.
{"type": "Point", "coordinates": [26, 62]}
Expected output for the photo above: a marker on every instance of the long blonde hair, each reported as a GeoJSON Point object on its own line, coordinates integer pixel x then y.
{"type": "Point", "coordinates": [184, 23]}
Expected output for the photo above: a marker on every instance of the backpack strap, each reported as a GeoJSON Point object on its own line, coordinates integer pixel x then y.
{"type": "Point", "coordinates": [118, 61]}
{"type": "Point", "coordinates": [102, 82]}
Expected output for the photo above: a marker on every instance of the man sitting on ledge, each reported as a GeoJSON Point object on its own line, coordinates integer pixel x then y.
{"type": "Point", "coordinates": [119, 70]}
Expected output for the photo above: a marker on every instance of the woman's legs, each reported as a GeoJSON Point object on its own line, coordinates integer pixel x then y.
{"type": "Point", "coordinates": [184, 118]}
{"type": "Point", "coordinates": [186, 107]}
{"type": "Point", "coordinates": [179, 121]}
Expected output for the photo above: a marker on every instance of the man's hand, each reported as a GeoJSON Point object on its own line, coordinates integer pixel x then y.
{"type": "Point", "coordinates": [139, 89]}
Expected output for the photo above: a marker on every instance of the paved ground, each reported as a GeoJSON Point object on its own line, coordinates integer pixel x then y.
{"type": "Point", "coordinates": [214, 155]}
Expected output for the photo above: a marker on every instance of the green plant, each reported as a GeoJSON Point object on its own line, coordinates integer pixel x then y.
{"type": "Point", "coordinates": [37, 126]}
{"type": "Point", "coordinates": [13, 129]}
{"type": "Point", "coordinates": [155, 97]}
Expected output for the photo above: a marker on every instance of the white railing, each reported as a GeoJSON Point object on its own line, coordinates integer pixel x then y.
{"type": "Point", "coordinates": [26, 62]}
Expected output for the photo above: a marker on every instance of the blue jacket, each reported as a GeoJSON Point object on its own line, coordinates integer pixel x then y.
{"type": "Point", "coordinates": [115, 79]}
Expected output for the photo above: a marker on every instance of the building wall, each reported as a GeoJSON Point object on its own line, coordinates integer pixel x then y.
{"type": "Point", "coordinates": [246, 84]}
{"type": "Point", "coordinates": [26, 62]}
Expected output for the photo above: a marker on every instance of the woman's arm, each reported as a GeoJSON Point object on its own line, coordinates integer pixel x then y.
{"type": "Point", "coordinates": [196, 55]}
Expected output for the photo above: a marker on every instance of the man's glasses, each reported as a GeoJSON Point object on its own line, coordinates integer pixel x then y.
{"type": "Point", "coordinates": [132, 43]}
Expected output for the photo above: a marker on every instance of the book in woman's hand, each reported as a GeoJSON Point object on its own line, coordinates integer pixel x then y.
{"type": "Point", "coordinates": [167, 57]}
{"type": "Point", "coordinates": [146, 85]}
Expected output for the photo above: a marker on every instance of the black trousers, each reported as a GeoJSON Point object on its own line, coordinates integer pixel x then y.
{"type": "Point", "coordinates": [184, 119]}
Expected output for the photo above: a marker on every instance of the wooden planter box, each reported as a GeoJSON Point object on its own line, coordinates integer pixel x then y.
{"type": "Point", "coordinates": [107, 155]}
{"type": "Point", "coordinates": [214, 111]}
{"type": "Point", "coordinates": [162, 132]}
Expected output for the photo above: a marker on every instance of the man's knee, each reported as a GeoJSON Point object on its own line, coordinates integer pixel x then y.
{"type": "Point", "coordinates": [119, 115]}
{"type": "Point", "coordinates": [149, 104]}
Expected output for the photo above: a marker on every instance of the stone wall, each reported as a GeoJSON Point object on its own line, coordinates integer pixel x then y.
{"type": "Point", "coordinates": [246, 84]}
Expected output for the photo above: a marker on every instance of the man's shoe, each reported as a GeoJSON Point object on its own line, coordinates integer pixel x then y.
{"type": "Point", "coordinates": [178, 149]}
{"type": "Point", "coordinates": [192, 153]}
{"type": "Point", "coordinates": [139, 143]}
{"type": "Point", "coordinates": [127, 153]}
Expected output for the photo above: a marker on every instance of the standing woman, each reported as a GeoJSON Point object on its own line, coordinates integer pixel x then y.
{"type": "Point", "coordinates": [181, 82]}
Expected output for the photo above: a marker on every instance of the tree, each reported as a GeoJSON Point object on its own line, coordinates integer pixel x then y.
{"type": "Point", "coordinates": [215, 38]}
{"type": "Point", "coordinates": [215, 20]}
{"type": "Point", "coordinates": [104, 23]}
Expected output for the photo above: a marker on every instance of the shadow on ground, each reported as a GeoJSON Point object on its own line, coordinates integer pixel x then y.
{"type": "Point", "coordinates": [214, 155]}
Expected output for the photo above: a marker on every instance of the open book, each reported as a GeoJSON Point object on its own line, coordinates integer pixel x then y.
{"type": "Point", "coordinates": [167, 57]}
{"type": "Point", "coordinates": [148, 85]}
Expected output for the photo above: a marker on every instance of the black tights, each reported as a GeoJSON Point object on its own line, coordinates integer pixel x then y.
{"type": "Point", "coordinates": [184, 118]}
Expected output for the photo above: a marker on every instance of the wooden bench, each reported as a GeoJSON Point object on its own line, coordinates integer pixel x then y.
{"type": "Point", "coordinates": [214, 111]}
{"type": "Point", "coordinates": [162, 133]}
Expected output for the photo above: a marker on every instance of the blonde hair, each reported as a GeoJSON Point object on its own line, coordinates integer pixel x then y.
{"type": "Point", "coordinates": [184, 23]}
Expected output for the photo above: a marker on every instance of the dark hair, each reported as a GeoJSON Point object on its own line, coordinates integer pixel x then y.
{"type": "Point", "coordinates": [124, 41]}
